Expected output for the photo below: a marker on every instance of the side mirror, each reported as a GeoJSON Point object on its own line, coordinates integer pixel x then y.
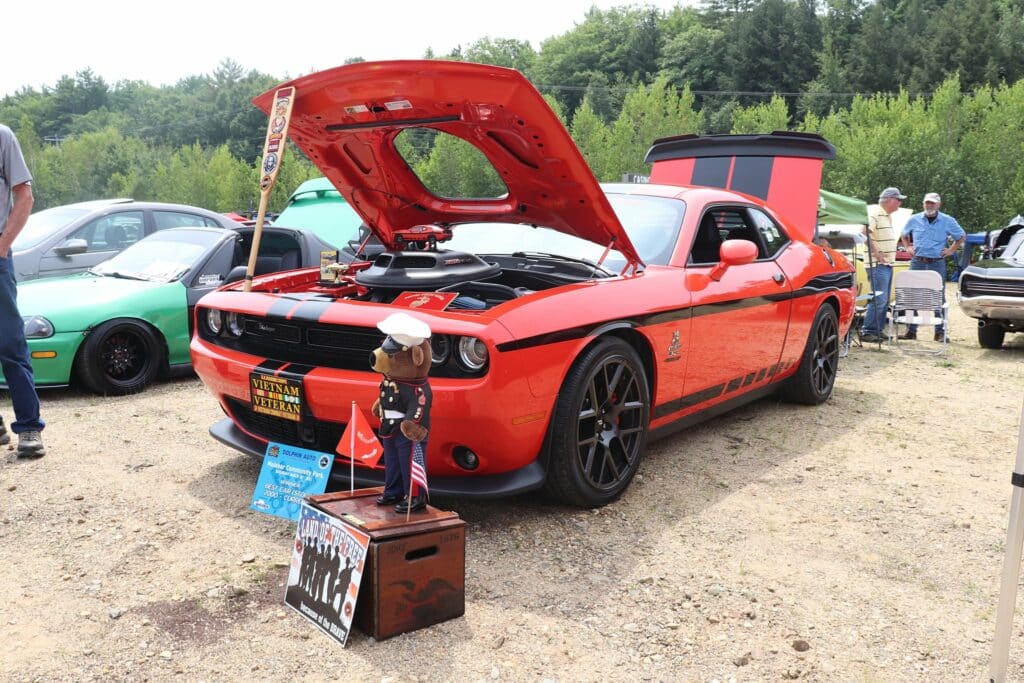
{"type": "Point", "coordinates": [733, 253]}
{"type": "Point", "coordinates": [235, 274]}
{"type": "Point", "coordinates": [71, 247]}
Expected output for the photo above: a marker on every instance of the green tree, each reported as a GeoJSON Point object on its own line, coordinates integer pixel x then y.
{"type": "Point", "coordinates": [762, 118]}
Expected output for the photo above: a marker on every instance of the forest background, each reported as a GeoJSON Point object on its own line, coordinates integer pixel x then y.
{"type": "Point", "coordinates": [924, 94]}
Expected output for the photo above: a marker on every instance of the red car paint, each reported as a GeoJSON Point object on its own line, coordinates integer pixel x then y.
{"type": "Point", "coordinates": [709, 336]}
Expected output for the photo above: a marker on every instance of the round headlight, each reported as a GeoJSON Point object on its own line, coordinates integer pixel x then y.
{"type": "Point", "coordinates": [472, 353]}
{"type": "Point", "coordinates": [214, 320]}
{"type": "Point", "coordinates": [440, 349]}
{"type": "Point", "coordinates": [37, 327]}
{"type": "Point", "coordinates": [235, 324]}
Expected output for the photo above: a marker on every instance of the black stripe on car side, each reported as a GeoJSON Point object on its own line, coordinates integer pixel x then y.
{"type": "Point", "coordinates": [733, 385]}
{"type": "Point", "coordinates": [816, 286]}
{"type": "Point", "coordinates": [677, 404]}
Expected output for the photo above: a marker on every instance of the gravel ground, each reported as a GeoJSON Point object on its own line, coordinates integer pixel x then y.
{"type": "Point", "coordinates": [858, 541]}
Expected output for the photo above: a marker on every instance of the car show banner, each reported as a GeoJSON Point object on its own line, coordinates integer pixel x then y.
{"type": "Point", "coordinates": [288, 475]}
{"type": "Point", "coordinates": [326, 569]}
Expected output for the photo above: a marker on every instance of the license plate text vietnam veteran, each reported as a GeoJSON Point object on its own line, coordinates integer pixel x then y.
{"type": "Point", "coordinates": [277, 396]}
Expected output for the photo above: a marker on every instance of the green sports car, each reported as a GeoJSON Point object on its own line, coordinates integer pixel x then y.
{"type": "Point", "coordinates": [128, 320]}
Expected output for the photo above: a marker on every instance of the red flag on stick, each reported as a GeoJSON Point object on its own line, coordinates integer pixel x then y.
{"type": "Point", "coordinates": [359, 442]}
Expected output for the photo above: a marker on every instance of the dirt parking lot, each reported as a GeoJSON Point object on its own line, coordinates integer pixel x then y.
{"type": "Point", "coordinates": [858, 541]}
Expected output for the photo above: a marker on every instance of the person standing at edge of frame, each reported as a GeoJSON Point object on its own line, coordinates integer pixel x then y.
{"type": "Point", "coordinates": [882, 243]}
{"type": "Point", "coordinates": [16, 185]}
{"type": "Point", "coordinates": [926, 236]}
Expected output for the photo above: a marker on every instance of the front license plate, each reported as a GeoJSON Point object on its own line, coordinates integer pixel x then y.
{"type": "Point", "coordinates": [277, 396]}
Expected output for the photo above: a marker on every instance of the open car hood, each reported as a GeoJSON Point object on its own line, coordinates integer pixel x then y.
{"type": "Point", "coordinates": [346, 119]}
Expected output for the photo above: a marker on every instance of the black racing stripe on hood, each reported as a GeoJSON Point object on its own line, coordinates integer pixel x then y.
{"type": "Point", "coordinates": [310, 311]}
{"type": "Point", "coordinates": [280, 308]}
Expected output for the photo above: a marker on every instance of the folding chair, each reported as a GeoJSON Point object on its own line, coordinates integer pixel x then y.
{"type": "Point", "coordinates": [919, 293]}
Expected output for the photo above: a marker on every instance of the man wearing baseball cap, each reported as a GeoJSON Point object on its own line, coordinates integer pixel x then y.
{"type": "Point", "coordinates": [927, 237]}
{"type": "Point", "coordinates": [882, 245]}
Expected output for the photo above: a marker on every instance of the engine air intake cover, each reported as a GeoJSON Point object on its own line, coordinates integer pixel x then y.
{"type": "Point", "coordinates": [424, 270]}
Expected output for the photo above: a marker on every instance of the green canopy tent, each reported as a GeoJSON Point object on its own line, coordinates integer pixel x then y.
{"type": "Point", "coordinates": [837, 209]}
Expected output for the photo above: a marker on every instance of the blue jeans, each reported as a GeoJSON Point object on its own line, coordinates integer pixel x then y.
{"type": "Point", "coordinates": [14, 356]}
{"type": "Point", "coordinates": [940, 268]}
{"type": "Point", "coordinates": [881, 281]}
{"type": "Point", "coordinates": [397, 462]}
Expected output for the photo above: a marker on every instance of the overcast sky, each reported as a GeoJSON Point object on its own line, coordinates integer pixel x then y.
{"type": "Point", "coordinates": [162, 42]}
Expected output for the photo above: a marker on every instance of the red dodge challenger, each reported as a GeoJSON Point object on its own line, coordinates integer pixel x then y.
{"type": "Point", "coordinates": [571, 321]}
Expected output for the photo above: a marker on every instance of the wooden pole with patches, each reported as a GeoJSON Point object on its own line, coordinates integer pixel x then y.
{"type": "Point", "coordinates": [273, 150]}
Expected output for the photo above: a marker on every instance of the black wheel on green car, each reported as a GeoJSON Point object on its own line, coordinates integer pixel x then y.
{"type": "Point", "coordinates": [119, 357]}
{"type": "Point", "coordinates": [812, 384]}
{"type": "Point", "coordinates": [991, 335]}
{"type": "Point", "coordinates": [599, 427]}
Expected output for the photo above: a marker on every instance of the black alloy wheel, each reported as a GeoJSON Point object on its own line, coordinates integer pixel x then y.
{"type": "Point", "coordinates": [599, 428]}
{"type": "Point", "coordinates": [119, 357]}
{"type": "Point", "coordinates": [814, 379]}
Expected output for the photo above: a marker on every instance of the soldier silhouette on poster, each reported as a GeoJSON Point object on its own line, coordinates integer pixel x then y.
{"type": "Point", "coordinates": [327, 562]}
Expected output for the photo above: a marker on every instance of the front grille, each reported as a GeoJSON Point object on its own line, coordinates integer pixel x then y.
{"type": "Point", "coordinates": [311, 433]}
{"type": "Point", "coordinates": [976, 286]}
{"type": "Point", "coordinates": [343, 347]}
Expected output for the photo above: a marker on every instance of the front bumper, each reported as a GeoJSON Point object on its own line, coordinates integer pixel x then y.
{"type": "Point", "coordinates": [55, 371]}
{"type": "Point", "coordinates": [993, 307]}
{"type": "Point", "coordinates": [525, 479]}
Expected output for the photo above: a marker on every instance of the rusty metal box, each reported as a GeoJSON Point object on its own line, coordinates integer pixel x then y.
{"type": "Point", "coordinates": [415, 573]}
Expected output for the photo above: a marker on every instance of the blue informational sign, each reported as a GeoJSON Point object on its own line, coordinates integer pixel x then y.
{"type": "Point", "coordinates": [289, 474]}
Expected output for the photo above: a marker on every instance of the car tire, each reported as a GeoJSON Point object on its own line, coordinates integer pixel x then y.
{"type": "Point", "coordinates": [119, 357]}
{"type": "Point", "coordinates": [991, 335]}
{"type": "Point", "coordinates": [812, 384]}
{"type": "Point", "coordinates": [594, 453]}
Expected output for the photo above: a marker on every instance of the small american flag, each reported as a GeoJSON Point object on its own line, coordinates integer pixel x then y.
{"type": "Point", "coordinates": [418, 469]}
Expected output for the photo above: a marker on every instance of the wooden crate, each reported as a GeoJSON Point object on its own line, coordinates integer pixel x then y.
{"type": "Point", "coordinates": [415, 573]}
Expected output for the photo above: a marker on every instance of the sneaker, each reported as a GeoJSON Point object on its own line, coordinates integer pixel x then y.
{"type": "Point", "coordinates": [939, 336]}
{"type": "Point", "coordinates": [909, 334]}
{"type": "Point", "coordinates": [30, 445]}
{"type": "Point", "coordinates": [870, 337]}
{"type": "Point", "coordinates": [5, 438]}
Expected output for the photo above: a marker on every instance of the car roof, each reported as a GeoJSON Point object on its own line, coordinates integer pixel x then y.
{"type": "Point", "coordinates": [100, 204]}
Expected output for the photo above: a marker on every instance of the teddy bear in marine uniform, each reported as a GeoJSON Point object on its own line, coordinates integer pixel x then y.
{"type": "Point", "coordinates": [403, 406]}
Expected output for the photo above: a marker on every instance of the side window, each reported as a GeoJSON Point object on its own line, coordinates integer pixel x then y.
{"type": "Point", "coordinates": [111, 233]}
{"type": "Point", "coordinates": [212, 273]}
{"type": "Point", "coordinates": [772, 235]}
{"type": "Point", "coordinates": [180, 219]}
{"type": "Point", "coordinates": [722, 223]}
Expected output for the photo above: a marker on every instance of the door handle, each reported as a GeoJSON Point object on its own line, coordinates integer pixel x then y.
{"type": "Point", "coordinates": [779, 278]}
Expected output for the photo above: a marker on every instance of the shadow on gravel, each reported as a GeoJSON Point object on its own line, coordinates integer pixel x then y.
{"type": "Point", "coordinates": [203, 621]}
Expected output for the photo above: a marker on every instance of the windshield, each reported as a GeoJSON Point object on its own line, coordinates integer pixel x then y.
{"type": "Point", "coordinates": [45, 223]}
{"type": "Point", "coordinates": [652, 224]}
{"type": "Point", "coordinates": [1016, 246]}
{"type": "Point", "coordinates": [165, 256]}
